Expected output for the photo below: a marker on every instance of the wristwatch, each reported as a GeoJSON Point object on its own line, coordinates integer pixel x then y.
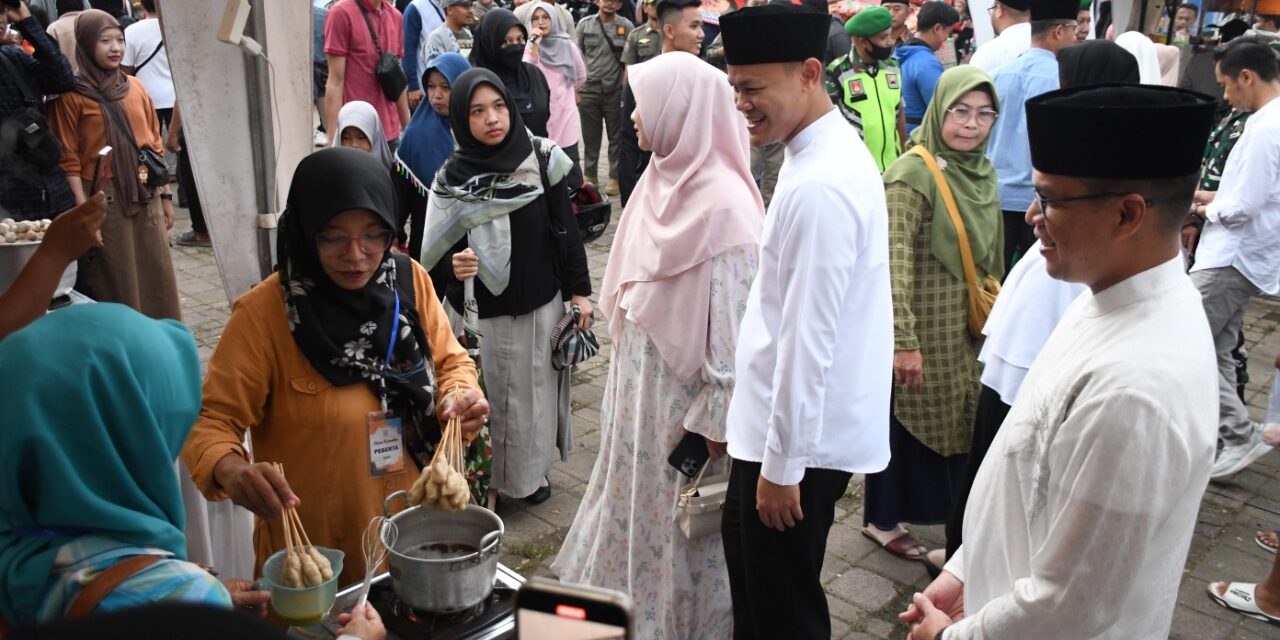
{"type": "Point", "coordinates": [166, 196]}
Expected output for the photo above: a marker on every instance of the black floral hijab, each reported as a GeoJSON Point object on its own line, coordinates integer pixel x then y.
{"type": "Point", "coordinates": [345, 334]}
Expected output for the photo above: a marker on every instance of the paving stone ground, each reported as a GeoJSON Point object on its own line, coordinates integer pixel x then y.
{"type": "Point", "coordinates": [866, 588]}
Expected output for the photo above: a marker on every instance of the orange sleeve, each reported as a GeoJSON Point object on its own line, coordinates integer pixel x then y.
{"type": "Point", "coordinates": [453, 365]}
{"type": "Point", "coordinates": [148, 134]}
{"type": "Point", "coordinates": [236, 390]}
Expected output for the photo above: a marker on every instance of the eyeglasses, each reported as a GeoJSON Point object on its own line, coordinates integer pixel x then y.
{"type": "Point", "coordinates": [334, 244]}
{"type": "Point", "coordinates": [964, 114]}
{"type": "Point", "coordinates": [1044, 203]}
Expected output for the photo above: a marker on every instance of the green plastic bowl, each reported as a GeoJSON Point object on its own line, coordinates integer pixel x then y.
{"type": "Point", "coordinates": [306, 606]}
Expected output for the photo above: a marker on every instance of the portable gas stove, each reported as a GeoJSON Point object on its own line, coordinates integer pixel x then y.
{"type": "Point", "coordinates": [492, 619]}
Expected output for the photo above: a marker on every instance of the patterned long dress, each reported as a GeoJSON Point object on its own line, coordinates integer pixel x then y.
{"type": "Point", "coordinates": [624, 536]}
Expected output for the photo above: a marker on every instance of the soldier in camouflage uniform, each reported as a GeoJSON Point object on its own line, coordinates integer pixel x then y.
{"type": "Point", "coordinates": [866, 85]}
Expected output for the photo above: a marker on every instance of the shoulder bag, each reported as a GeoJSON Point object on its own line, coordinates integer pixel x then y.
{"type": "Point", "coordinates": [157, 170]}
{"type": "Point", "coordinates": [701, 505]}
{"type": "Point", "coordinates": [25, 133]}
{"type": "Point", "coordinates": [982, 294]}
{"type": "Point", "coordinates": [388, 71]}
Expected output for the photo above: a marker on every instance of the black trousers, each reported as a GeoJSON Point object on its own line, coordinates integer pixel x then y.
{"type": "Point", "coordinates": [187, 187]}
{"type": "Point", "coordinates": [774, 575]}
{"type": "Point", "coordinates": [991, 414]}
{"type": "Point", "coordinates": [1018, 237]}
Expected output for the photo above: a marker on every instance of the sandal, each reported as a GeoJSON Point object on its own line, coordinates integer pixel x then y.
{"type": "Point", "coordinates": [901, 546]}
{"type": "Point", "coordinates": [1269, 546]}
{"type": "Point", "coordinates": [1239, 598]}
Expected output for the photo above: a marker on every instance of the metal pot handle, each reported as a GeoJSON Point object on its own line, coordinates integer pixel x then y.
{"type": "Point", "coordinates": [386, 504]}
{"type": "Point", "coordinates": [489, 544]}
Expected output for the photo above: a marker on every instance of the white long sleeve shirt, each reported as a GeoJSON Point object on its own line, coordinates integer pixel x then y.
{"type": "Point", "coordinates": [815, 350]}
{"type": "Point", "coordinates": [1082, 513]}
{"type": "Point", "coordinates": [1011, 43]}
{"type": "Point", "coordinates": [1242, 229]}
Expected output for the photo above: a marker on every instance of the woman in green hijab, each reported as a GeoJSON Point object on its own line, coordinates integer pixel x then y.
{"type": "Point", "coordinates": [935, 365]}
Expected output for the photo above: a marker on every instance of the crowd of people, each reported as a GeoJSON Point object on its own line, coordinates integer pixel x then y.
{"type": "Point", "coordinates": [848, 246]}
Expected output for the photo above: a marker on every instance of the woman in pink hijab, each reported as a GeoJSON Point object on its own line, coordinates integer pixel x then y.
{"type": "Point", "coordinates": [681, 266]}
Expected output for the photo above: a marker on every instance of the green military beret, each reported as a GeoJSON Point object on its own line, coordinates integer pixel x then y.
{"type": "Point", "coordinates": [1085, 4]}
{"type": "Point", "coordinates": [868, 22]}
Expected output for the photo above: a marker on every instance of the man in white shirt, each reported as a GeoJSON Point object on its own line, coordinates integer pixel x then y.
{"type": "Point", "coordinates": [1011, 20]}
{"type": "Point", "coordinates": [145, 57]}
{"type": "Point", "coordinates": [1239, 251]}
{"type": "Point", "coordinates": [1082, 513]}
{"type": "Point", "coordinates": [815, 350]}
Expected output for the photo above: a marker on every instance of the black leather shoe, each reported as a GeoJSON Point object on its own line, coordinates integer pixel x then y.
{"type": "Point", "coordinates": [540, 496]}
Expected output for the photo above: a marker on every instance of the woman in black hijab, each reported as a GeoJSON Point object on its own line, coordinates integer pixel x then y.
{"type": "Point", "coordinates": [1096, 62]}
{"type": "Point", "coordinates": [499, 212]}
{"type": "Point", "coordinates": [499, 47]}
{"type": "Point", "coordinates": [339, 365]}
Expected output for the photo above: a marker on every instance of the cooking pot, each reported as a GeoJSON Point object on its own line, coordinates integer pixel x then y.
{"type": "Point", "coordinates": [14, 256]}
{"type": "Point", "coordinates": [443, 562]}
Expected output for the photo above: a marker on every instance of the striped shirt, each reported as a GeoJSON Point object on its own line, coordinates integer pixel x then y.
{"type": "Point", "coordinates": [169, 580]}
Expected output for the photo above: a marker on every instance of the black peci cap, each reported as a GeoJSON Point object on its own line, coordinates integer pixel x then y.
{"type": "Point", "coordinates": [774, 33]}
{"type": "Point", "coordinates": [1164, 129]}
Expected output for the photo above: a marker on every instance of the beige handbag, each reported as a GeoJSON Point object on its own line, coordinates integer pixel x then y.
{"type": "Point", "coordinates": [701, 504]}
{"type": "Point", "coordinates": [982, 293]}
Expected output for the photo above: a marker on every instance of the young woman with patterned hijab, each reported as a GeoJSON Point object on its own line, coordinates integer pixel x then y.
{"type": "Point", "coordinates": [343, 329]}
{"type": "Point", "coordinates": [499, 212]}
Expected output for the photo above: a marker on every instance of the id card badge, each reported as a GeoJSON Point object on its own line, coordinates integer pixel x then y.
{"type": "Point", "coordinates": [386, 444]}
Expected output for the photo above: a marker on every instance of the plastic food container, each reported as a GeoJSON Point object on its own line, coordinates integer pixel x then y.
{"type": "Point", "coordinates": [306, 606]}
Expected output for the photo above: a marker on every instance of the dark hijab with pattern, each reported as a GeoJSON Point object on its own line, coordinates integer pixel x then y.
{"type": "Point", "coordinates": [109, 88]}
{"type": "Point", "coordinates": [345, 334]}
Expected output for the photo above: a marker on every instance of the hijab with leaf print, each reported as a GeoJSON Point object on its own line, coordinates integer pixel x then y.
{"type": "Point", "coordinates": [345, 334]}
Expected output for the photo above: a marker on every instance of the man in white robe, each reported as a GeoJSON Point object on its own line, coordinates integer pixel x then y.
{"type": "Point", "coordinates": [1082, 512]}
{"type": "Point", "coordinates": [815, 350]}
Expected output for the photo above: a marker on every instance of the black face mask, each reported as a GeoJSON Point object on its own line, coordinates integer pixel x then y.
{"type": "Point", "coordinates": [880, 53]}
{"type": "Point", "coordinates": [512, 55]}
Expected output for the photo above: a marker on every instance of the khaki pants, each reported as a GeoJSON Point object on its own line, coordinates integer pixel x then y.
{"type": "Point", "coordinates": [594, 108]}
{"type": "Point", "coordinates": [1226, 294]}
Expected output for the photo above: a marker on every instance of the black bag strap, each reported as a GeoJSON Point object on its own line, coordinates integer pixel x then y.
{"type": "Point", "coordinates": [144, 62]}
{"type": "Point", "coordinates": [116, 121]}
{"type": "Point", "coordinates": [28, 94]}
{"type": "Point", "coordinates": [364, 12]}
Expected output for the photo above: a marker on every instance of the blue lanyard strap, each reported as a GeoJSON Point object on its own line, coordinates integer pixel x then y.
{"type": "Point", "coordinates": [391, 347]}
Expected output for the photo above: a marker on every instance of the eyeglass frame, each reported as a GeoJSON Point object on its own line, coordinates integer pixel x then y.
{"type": "Point", "coordinates": [359, 240]}
{"type": "Point", "coordinates": [1043, 202]}
{"type": "Point", "coordinates": [975, 116]}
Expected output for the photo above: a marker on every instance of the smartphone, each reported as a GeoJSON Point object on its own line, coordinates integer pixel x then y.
{"type": "Point", "coordinates": [690, 454]}
{"type": "Point", "coordinates": [104, 156]}
{"type": "Point", "coordinates": [548, 610]}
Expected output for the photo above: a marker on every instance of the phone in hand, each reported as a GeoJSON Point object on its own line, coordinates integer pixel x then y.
{"type": "Point", "coordinates": [547, 610]}
{"type": "Point", "coordinates": [99, 176]}
{"type": "Point", "coordinates": [690, 454]}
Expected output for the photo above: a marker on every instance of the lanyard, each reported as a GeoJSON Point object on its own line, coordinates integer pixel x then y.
{"type": "Point", "coordinates": [391, 347]}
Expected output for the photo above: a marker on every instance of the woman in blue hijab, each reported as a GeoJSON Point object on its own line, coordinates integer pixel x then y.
{"type": "Point", "coordinates": [101, 402]}
{"type": "Point", "coordinates": [427, 141]}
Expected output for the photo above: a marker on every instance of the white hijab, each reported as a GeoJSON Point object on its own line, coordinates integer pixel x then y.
{"type": "Point", "coordinates": [363, 116]}
{"type": "Point", "coordinates": [1144, 50]}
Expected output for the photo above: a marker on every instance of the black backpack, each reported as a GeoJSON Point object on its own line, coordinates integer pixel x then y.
{"type": "Point", "coordinates": [24, 134]}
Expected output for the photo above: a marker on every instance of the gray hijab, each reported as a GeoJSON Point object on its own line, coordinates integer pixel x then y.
{"type": "Point", "coordinates": [556, 48]}
{"type": "Point", "coordinates": [364, 117]}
